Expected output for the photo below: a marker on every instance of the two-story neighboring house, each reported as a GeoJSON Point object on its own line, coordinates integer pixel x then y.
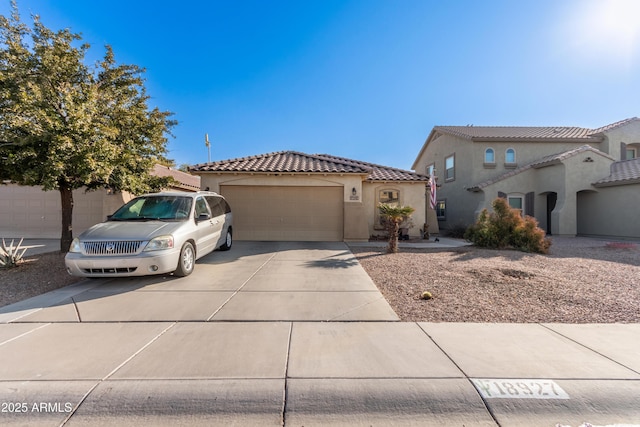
{"type": "Point", "coordinates": [573, 180]}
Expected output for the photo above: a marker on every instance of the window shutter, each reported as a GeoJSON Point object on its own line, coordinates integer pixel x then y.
{"type": "Point", "coordinates": [528, 203]}
{"type": "Point", "coordinates": [502, 195]}
{"type": "Point", "coordinates": [623, 151]}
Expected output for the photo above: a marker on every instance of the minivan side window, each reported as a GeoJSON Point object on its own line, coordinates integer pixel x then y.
{"type": "Point", "coordinates": [201, 207]}
{"type": "Point", "coordinates": [217, 205]}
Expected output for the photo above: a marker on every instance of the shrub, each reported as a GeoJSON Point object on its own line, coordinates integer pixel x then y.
{"type": "Point", "coordinates": [11, 255]}
{"type": "Point", "coordinates": [506, 228]}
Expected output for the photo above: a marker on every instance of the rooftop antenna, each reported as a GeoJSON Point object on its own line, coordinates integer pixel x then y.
{"type": "Point", "coordinates": [208, 144]}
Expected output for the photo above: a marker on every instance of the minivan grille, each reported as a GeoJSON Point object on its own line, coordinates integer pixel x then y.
{"type": "Point", "coordinates": [114, 270]}
{"type": "Point", "coordinates": [116, 247]}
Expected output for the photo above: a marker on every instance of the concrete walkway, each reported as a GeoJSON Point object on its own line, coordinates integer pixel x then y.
{"type": "Point", "coordinates": [294, 334]}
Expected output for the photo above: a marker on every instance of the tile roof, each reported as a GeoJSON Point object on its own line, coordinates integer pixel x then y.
{"type": "Point", "coordinates": [296, 162]}
{"type": "Point", "coordinates": [542, 162]}
{"type": "Point", "coordinates": [185, 180]}
{"type": "Point", "coordinates": [614, 125]}
{"type": "Point", "coordinates": [530, 133]}
{"type": "Point", "coordinates": [379, 172]}
{"type": "Point", "coordinates": [623, 172]}
{"type": "Point", "coordinates": [517, 133]}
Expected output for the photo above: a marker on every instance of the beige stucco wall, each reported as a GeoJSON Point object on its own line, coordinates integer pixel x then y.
{"type": "Point", "coordinates": [32, 213]}
{"type": "Point", "coordinates": [629, 134]}
{"type": "Point", "coordinates": [463, 206]}
{"type": "Point", "coordinates": [360, 210]}
{"type": "Point", "coordinates": [355, 226]}
{"type": "Point", "coordinates": [411, 194]}
{"type": "Point", "coordinates": [566, 179]}
{"type": "Point", "coordinates": [610, 212]}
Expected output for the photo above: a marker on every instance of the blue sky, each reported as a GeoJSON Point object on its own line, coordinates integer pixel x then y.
{"type": "Point", "coordinates": [365, 79]}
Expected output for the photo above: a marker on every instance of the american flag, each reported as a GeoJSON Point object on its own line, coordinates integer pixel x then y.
{"type": "Point", "coordinates": [432, 190]}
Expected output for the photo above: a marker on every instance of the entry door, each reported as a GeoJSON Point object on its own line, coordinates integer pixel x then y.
{"type": "Point", "coordinates": [552, 198]}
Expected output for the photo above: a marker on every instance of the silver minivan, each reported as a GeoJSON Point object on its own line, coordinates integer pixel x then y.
{"type": "Point", "coordinates": [153, 234]}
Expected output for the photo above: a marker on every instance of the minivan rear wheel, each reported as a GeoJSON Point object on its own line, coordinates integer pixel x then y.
{"type": "Point", "coordinates": [186, 261]}
{"type": "Point", "coordinates": [228, 241]}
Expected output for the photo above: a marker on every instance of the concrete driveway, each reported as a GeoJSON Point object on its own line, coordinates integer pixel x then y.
{"type": "Point", "coordinates": [255, 281]}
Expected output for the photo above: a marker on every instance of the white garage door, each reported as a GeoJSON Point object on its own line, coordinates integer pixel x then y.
{"type": "Point", "coordinates": [286, 213]}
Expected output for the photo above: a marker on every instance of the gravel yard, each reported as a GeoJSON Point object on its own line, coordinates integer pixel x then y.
{"type": "Point", "coordinates": [36, 275]}
{"type": "Point", "coordinates": [582, 280]}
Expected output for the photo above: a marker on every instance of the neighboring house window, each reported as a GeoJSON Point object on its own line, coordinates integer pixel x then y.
{"type": "Point", "coordinates": [629, 151]}
{"type": "Point", "coordinates": [510, 155]}
{"type": "Point", "coordinates": [516, 202]}
{"type": "Point", "coordinates": [489, 155]}
{"type": "Point", "coordinates": [489, 158]}
{"type": "Point", "coordinates": [431, 169]}
{"type": "Point", "coordinates": [450, 168]}
{"type": "Point", "coordinates": [441, 210]}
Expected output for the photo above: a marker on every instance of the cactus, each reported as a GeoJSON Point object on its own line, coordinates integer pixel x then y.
{"type": "Point", "coordinates": [11, 255]}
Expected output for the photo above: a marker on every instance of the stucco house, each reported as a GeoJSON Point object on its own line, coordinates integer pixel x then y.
{"type": "Point", "coordinates": [31, 212]}
{"type": "Point", "coordinates": [289, 195]}
{"type": "Point", "coordinates": [573, 180]}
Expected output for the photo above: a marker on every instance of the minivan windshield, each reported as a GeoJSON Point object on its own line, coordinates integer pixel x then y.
{"type": "Point", "coordinates": [146, 208]}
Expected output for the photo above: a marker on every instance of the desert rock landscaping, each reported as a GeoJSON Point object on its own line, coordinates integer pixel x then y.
{"type": "Point", "coordinates": [582, 280]}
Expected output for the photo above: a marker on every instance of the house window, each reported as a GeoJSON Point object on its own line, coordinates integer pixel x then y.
{"type": "Point", "coordinates": [450, 168]}
{"type": "Point", "coordinates": [441, 210]}
{"type": "Point", "coordinates": [516, 202]}
{"type": "Point", "coordinates": [390, 197]}
{"type": "Point", "coordinates": [631, 153]}
{"type": "Point", "coordinates": [510, 155]}
{"type": "Point", "coordinates": [489, 155]}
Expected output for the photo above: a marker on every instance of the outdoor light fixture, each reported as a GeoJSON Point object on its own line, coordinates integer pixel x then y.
{"type": "Point", "coordinates": [354, 192]}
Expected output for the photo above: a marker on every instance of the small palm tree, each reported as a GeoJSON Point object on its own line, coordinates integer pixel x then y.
{"type": "Point", "coordinates": [394, 216]}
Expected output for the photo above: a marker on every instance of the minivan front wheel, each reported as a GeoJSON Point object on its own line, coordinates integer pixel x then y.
{"type": "Point", "coordinates": [187, 260]}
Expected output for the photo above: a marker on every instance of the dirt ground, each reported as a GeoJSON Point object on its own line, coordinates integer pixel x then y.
{"type": "Point", "coordinates": [36, 275]}
{"type": "Point", "coordinates": [581, 281]}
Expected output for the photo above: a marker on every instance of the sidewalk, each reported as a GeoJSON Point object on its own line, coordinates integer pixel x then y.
{"type": "Point", "coordinates": [321, 373]}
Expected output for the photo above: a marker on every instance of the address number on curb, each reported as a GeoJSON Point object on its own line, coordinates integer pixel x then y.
{"type": "Point", "coordinates": [492, 388]}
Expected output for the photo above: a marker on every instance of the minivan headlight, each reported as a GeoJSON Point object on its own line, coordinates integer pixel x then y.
{"type": "Point", "coordinates": [159, 243]}
{"type": "Point", "coordinates": [75, 246]}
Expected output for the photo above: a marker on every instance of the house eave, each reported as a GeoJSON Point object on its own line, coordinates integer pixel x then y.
{"type": "Point", "coordinates": [526, 140]}
{"type": "Point", "coordinates": [616, 183]}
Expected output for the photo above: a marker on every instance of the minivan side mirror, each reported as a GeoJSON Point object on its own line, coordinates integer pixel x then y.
{"type": "Point", "coordinates": [203, 217]}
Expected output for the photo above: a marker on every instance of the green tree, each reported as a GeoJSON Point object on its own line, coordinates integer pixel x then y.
{"type": "Point", "coordinates": [65, 125]}
{"type": "Point", "coordinates": [393, 217]}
